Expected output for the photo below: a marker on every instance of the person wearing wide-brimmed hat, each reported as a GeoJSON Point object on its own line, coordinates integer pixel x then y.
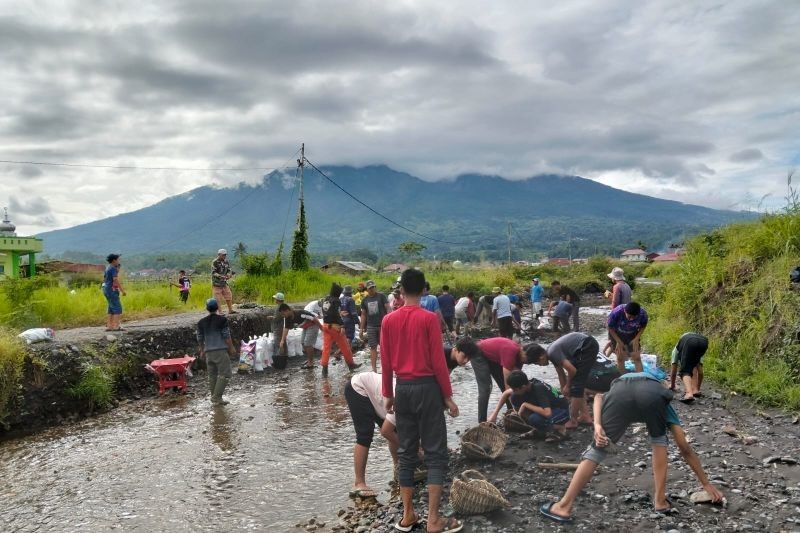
{"type": "Point", "coordinates": [221, 272]}
{"type": "Point", "coordinates": [621, 293]}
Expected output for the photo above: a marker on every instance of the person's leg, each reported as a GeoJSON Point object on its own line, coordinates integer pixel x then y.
{"type": "Point", "coordinates": [499, 379]}
{"type": "Point", "coordinates": [565, 325]}
{"type": "Point", "coordinates": [578, 411]}
{"type": "Point", "coordinates": [363, 415]}
{"type": "Point", "coordinates": [636, 357]}
{"type": "Point", "coordinates": [542, 423]}
{"type": "Point", "coordinates": [580, 478]}
{"type": "Point", "coordinates": [555, 321]}
{"type": "Point", "coordinates": [622, 354]}
{"type": "Point", "coordinates": [484, 380]}
{"type": "Point", "coordinates": [433, 436]}
{"type": "Point", "coordinates": [660, 477]}
{"type": "Point", "coordinates": [327, 341]}
{"type": "Point", "coordinates": [583, 361]}
{"type": "Point", "coordinates": [344, 345]}
{"type": "Point", "coordinates": [576, 317]}
{"type": "Point", "coordinates": [224, 375]}
{"type": "Point", "coordinates": [213, 372]}
{"type": "Point", "coordinates": [697, 376]}
{"type": "Point", "coordinates": [374, 340]}
{"type": "Point", "coordinates": [406, 402]}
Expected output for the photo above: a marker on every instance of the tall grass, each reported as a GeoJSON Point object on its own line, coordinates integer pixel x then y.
{"type": "Point", "coordinates": [733, 286]}
{"type": "Point", "coordinates": [12, 357]}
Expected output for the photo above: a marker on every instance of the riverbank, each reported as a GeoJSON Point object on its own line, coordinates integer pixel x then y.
{"type": "Point", "coordinates": [761, 480]}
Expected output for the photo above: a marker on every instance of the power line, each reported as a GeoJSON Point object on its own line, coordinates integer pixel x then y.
{"type": "Point", "coordinates": [418, 234]}
{"type": "Point", "coordinates": [129, 167]}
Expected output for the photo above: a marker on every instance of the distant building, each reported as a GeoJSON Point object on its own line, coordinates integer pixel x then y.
{"type": "Point", "coordinates": [634, 254]}
{"type": "Point", "coordinates": [667, 258]}
{"type": "Point", "coordinates": [394, 268]}
{"type": "Point", "coordinates": [651, 256]}
{"type": "Point", "coordinates": [558, 261]}
{"type": "Point", "coordinates": [13, 248]}
{"type": "Point", "coordinates": [348, 267]}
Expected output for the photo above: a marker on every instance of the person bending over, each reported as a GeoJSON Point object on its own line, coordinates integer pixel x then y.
{"type": "Point", "coordinates": [689, 354]}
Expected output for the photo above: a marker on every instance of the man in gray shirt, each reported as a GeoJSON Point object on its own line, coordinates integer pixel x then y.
{"type": "Point", "coordinates": [573, 355]}
{"type": "Point", "coordinates": [214, 337]}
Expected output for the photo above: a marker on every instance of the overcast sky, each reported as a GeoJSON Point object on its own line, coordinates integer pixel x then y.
{"type": "Point", "coordinates": [690, 101]}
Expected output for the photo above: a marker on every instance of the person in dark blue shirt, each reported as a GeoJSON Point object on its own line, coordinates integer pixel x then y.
{"type": "Point", "coordinates": [447, 305]}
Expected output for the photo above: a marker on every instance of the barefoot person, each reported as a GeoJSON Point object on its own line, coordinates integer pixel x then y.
{"type": "Point", "coordinates": [214, 338]}
{"type": "Point", "coordinates": [374, 306]}
{"type": "Point", "coordinates": [626, 323]}
{"type": "Point", "coordinates": [635, 397]}
{"type": "Point", "coordinates": [573, 355]}
{"type": "Point", "coordinates": [112, 287]}
{"type": "Point", "coordinates": [688, 353]}
{"type": "Point", "coordinates": [332, 330]}
{"type": "Point", "coordinates": [365, 402]}
{"type": "Point", "coordinates": [539, 404]}
{"type": "Point", "coordinates": [411, 349]}
{"type": "Point", "coordinates": [311, 326]}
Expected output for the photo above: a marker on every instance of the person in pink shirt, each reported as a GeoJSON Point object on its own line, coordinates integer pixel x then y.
{"type": "Point", "coordinates": [493, 358]}
{"type": "Point", "coordinates": [411, 351]}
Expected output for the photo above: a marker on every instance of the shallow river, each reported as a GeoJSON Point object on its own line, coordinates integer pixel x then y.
{"type": "Point", "coordinates": [281, 452]}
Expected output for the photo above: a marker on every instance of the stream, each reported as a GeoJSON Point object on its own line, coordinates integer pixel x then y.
{"type": "Point", "coordinates": [280, 453]}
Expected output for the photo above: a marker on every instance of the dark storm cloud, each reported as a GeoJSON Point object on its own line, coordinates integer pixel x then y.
{"type": "Point", "coordinates": [747, 155]}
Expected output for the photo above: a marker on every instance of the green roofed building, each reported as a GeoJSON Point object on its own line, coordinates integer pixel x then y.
{"type": "Point", "coordinates": [13, 248]}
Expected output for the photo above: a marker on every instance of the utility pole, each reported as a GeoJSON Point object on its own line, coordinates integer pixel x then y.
{"type": "Point", "coordinates": [302, 164]}
{"type": "Point", "coordinates": [509, 243]}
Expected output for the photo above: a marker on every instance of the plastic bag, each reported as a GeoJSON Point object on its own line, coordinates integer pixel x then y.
{"type": "Point", "coordinates": [263, 352]}
{"type": "Point", "coordinates": [35, 335]}
{"type": "Point", "coordinates": [294, 344]}
{"type": "Point", "coordinates": [247, 356]}
{"type": "Point", "coordinates": [649, 365]}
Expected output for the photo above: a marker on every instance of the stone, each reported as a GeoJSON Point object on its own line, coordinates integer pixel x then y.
{"type": "Point", "coordinates": [771, 459]}
{"type": "Point", "coordinates": [641, 464]}
{"type": "Point", "coordinates": [702, 497]}
{"type": "Point", "coordinates": [730, 430]}
{"type": "Point", "coordinates": [789, 460]}
{"type": "Point", "coordinates": [111, 338]}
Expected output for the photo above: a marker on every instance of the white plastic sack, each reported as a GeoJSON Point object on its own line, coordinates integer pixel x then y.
{"type": "Point", "coordinates": [34, 335]}
{"type": "Point", "coordinates": [294, 344]}
{"type": "Point", "coordinates": [319, 341]}
{"type": "Point", "coordinates": [258, 363]}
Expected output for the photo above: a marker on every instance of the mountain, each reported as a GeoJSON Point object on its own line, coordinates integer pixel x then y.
{"type": "Point", "coordinates": [549, 215]}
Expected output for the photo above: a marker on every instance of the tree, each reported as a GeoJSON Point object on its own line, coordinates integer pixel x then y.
{"type": "Point", "coordinates": [641, 246]}
{"type": "Point", "coordinates": [411, 248]}
{"type": "Point", "coordinates": [276, 268]}
{"type": "Point", "coordinates": [240, 250]}
{"type": "Point", "coordinates": [299, 254]}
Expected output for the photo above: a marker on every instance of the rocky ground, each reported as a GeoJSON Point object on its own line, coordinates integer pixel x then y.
{"type": "Point", "coordinates": [750, 454]}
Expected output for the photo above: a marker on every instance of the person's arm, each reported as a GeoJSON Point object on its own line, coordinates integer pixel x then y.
{"type": "Point", "coordinates": [116, 282]}
{"type": "Point", "coordinates": [638, 335]}
{"type": "Point", "coordinates": [691, 459]}
{"type": "Point", "coordinates": [673, 372]}
{"type": "Point", "coordinates": [201, 341]}
{"type": "Point", "coordinates": [600, 438]}
{"type": "Point", "coordinates": [478, 311]}
{"type": "Point", "coordinates": [363, 322]}
{"type": "Point", "coordinates": [569, 371]}
{"type": "Point", "coordinates": [503, 399]}
{"type": "Point", "coordinates": [231, 347]}
{"type": "Point", "coordinates": [284, 334]}
{"type": "Point", "coordinates": [439, 366]}
{"type": "Point", "coordinates": [563, 380]}
{"type": "Point", "coordinates": [387, 370]}
{"type": "Point", "coordinates": [527, 406]}
{"type": "Point", "coordinates": [494, 317]}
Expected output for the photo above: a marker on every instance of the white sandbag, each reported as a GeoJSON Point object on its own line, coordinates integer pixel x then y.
{"type": "Point", "coordinates": [319, 342]}
{"type": "Point", "coordinates": [34, 335]}
{"type": "Point", "coordinates": [294, 345]}
{"type": "Point", "coordinates": [247, 356]}
{"type": "Point", "coordinates": [258, 363]}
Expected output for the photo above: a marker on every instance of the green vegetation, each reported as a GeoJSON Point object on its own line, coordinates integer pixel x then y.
{"type": "Point", "coordinates": [96, 385]}
{"type": "Point", "coordinates": [12, 358]}
{"type": "Point", "coordinates": [299, 254]}
{"type": "Point", "coordinates": [733, 286]}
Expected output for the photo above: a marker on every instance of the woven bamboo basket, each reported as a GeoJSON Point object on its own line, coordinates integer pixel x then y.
{"type": "Point", "coordinates": [514, 423]}
{"type": "Point", "coordinates": [471, 493]}
{"type": "Point", "coordinates": [484, 441]}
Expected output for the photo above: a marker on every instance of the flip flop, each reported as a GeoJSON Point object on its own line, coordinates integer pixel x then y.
{"type": "Point", "coordinates": [363, 493]}
{"type": "Point", "coordinates": [400, 527]}
{"type": "Point", "coordinates": [450, 526]}
{"type": "Point", "coordinates": [545, 511]}
{"type": "Point", "coordinates": [669, 510]}
{"type": "Point", "coordinates": [555, 437]}
{"type": "Point", "coordinates": [306, 366]}
{"type": "Point", "coordinates": [698, 394]}
{"type": "Point", "coordinates": [687, 400]}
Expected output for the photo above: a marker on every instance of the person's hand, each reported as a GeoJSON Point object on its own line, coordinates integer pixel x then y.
{"type": "Point", "coordinates": [452, 408]}
{"type": "Point", "coordinates": [388, 404]}
{"type": "Point", "coordinates": [714, 492]}
{"type": "Point", "coordinates": [492, 419]}
{"type": "Point", "coordinates": [282, 344]}
{"type": "Point", "coordinates": [600, 438]}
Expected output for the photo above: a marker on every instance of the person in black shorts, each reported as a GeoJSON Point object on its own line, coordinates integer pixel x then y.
{"type": "Point", "coordinates": [634, 397]}
{"type": "Point", "coordinates": [688, 353]}
{"type": "Point", "coordinates": [604, 371]}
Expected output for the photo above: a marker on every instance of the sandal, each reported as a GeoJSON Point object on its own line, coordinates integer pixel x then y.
{"type": "Point", "coordinates": [686, 400]}
{"type": "Point", "coordinates": [668, 510]}
{"type": "Point", "coordinates": [451, 525]}
{"type": "Point", "coordinates": [363, 493]}
{"type": "Point", "coordinates": [545, 510]}
{"type": "Point", "coordinates": [400, 527]}
{"type": "Point", "coordinates": [307, 366]}
{"type": "Point", "coordinates": [556, 437]}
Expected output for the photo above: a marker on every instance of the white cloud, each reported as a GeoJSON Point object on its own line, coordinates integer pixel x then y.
{"type": "Point", "coordinates": [688, 101]}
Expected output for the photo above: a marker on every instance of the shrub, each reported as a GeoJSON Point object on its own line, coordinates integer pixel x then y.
{"type": "Point", "coordinates": [96, 385]}
{"type": "Point", "coordinates": [12, 358]}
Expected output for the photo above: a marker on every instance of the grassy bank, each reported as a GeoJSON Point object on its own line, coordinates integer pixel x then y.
{"type": "Point", "coordinates": [44, 302]}
{"type": "Point", "coordinates": [12, 357]}
{"type": "Point", "coordinates": [733, 286]}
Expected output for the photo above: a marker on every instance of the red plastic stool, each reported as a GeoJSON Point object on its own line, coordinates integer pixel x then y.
{"type": "Point", "coordinates": [164, 370]}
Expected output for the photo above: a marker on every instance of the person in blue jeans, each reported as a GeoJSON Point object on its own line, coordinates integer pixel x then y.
{"type": "Point", "coordinates": [112, 287]}
{"type": "Point", "coordinates": [540, 405]}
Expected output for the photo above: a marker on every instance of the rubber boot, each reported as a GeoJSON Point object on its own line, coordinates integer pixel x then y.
{"type": "Point", "coordinates": [216, 398]}
{"type": "Point", "coordinates": [212, 384]}
{"type": "Point", "coordinates": [324, 371]}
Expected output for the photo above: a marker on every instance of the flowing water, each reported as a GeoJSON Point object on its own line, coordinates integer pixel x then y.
{"type": "Point", "coordinates": [280, 453]}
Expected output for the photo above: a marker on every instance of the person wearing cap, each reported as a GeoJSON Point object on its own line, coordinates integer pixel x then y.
{"type": "Point", "coordinates": [374, 306]}
{"type": "Point", "coordinates": [279, 331]}
{"type": "Point", "coordinates": [621, 291]}
{"type": "Point", "coordinates": [626, 323]}
{"type": "Point", "coordinates": [537, 297]}
{"type": "Point", "coordinates": [349, 311]}
{"type": "Point", "coordinates": [216, 346]}
{"type": "Point", "coordinates": [483, 313]}
{"type": "Point", "coordinates": [396, 300]}
{"type": "Point", "coordinates": [112, 288]}
{"type": "Point", "coordinates": [502, 318]}
{"type": "Point", "coordinates": [220, 274]}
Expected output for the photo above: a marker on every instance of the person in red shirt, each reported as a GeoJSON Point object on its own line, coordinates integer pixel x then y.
{"type": "Point", "coordinates": [411, 350]}
{"type": "Point", "coordinates": [493, 358]}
